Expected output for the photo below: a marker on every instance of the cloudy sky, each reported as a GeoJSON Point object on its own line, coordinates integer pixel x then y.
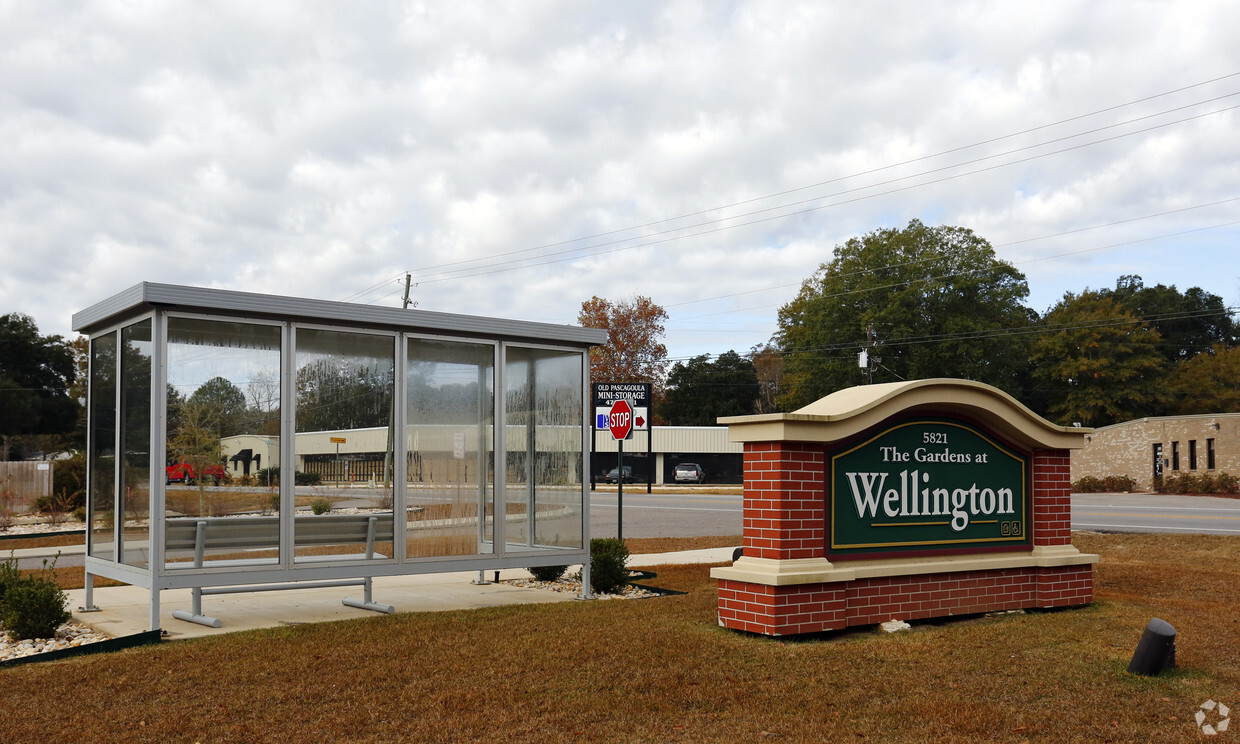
{"type": "Point", "coordinates": [518, 158]}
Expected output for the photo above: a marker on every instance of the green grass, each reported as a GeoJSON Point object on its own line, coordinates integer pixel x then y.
{"type": "Point", "coordinates": [662, 670]}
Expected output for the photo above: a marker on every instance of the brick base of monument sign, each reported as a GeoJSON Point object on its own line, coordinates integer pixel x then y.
{"type": "Point", "coordinates": [814, 608]}
{"type": "Point", "coordinates": [953, 511]}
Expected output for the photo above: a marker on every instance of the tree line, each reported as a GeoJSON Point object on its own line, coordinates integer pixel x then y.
{"type": "Point", "coordinates": [923, 302]}
{"type": "Point", "coordinates": [893, 304]}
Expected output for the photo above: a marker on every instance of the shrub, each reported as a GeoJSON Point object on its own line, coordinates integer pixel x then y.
{"type": "Point", "coordinates": [268, 476]}
{"type": "Point", "coordinates": [69, 476]}
{"type": "Point", "coordinates": [607, 558]}
{"type": "Point", "coordinates": [34, 606]}
{"type": "Point", "coordinates": [320, 505]}
{"type": "Point", "coordinates": [548, 573]}
{"type": "Point", "coordinates": [271, 477]}
{"type": "Point", "coordinates": [10, 575]}
{"type": "Point", "coordinates": [273, 503]}
{"type": "Point", "coordinates": [1106, 484]}
{"type": "Point", "coordinates": [1119, 483]}
{"type": "Point", "coordinates": [80, 514]}
{"type": "Point", "coordinates": [1188, 483]}
{"type": "Point", "coordinates": [1088, 484]}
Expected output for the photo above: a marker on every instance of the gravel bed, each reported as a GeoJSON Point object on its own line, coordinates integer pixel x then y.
{"type": "Point", "coordinates": [67, 636]}
{"type": "Point", "coordinates": [26, 526]}
{"type": "Point", "coordinates": [570, 585]}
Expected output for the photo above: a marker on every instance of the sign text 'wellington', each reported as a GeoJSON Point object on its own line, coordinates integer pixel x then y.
{"type": "Point", "coordinates": [927, 485]}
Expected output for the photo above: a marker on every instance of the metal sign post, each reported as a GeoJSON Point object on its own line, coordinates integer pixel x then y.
{"type": "Point", "coordinates": [620, 423]}
{"type": "Point", "coordinates": [631, 400]}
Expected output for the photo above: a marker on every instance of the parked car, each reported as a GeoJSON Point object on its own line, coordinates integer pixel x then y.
{"type": "Point", "coordinates": [614, 475]}
{"type": "Point", "coordinates": [689, 472]}
{"type": "Point", "coordinates": [184, 473]}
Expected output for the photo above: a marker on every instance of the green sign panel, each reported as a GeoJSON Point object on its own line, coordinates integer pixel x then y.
{"type": "Point", "coordinates": [928, 484]}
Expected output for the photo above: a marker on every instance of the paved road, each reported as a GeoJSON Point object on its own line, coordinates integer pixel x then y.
{"type": "Point", "coordinates": [1155, 513]}
{"type": "Point", "coordinates": [687, 513]}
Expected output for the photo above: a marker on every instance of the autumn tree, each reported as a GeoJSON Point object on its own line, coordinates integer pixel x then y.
{"type": "Point", "coordinates": [634, 351]}
{"type": "Point", "coordinates": [1099, 363]}
{"type": "Point", "coordinates": [768, 364]}
{"type": "Point", "coordinates": [700, 391]}
{"type": "Point", "coordinates": [938, 299]}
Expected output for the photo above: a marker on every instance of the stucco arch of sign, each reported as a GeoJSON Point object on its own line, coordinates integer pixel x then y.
{"type": "Point", "coordinates": [849, 412]}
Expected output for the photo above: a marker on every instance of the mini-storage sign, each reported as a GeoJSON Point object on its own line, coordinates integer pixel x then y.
{"type": "Point", "coordinates": [637, 396]}
{"type": "Point", "coordinates": [927, 485]}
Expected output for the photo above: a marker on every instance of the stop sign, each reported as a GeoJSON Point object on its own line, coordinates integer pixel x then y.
{"type": "Point", "coordinates": [620, 419]}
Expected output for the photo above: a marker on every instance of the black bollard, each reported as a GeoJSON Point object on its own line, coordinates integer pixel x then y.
{"type": "Point", "coordinates": [1155, 650]}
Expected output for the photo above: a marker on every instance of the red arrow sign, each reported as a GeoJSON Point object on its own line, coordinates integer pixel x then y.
{"type": "Point", "coordinates": [620, 419]}
{"type": "Point", "coordinates": [640, 422]}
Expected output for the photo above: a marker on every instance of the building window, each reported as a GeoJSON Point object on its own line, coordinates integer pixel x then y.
{"type": "Point", "coordinates": [1175, 455]}
{"type": "Point", "coordinates": [1209, 454]}
{"type": "Point", "coordinates": [1192, 454]}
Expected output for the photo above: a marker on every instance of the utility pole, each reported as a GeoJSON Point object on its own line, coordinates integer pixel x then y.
{"type": "Point", "coordinates": [406, 305]}
{"type": "Point", "coordinates": [866, 359]}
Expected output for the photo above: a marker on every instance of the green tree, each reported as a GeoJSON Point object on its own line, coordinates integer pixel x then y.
{"type": "Point", "coordinates": [1207, 383]}
{"type": "Point", "coordinates": [1190, 323]}
{"type": "Point", "coordinates": [196, 441]}
{"type": "Point", "coordinates": [334, 395]}
{"type": "Point", "coordinates": [1099, 363]}
{"type": "Point", "coordinates": [226, 404]}
{"type": "Point", "coordinates": [35, 374]}
{"type": "Point", "coordinates": [940, 303]}
{"type": "Point", "coordinates": [700, 391]}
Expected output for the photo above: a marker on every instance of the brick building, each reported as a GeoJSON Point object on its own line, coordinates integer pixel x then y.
{"type": "Point", "coordinates": [1167, 445]}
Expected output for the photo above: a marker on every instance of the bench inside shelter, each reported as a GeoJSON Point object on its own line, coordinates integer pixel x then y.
{"type": "Point", "coordinates": [260, 532]}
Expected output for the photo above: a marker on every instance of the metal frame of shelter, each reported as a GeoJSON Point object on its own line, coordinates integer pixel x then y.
{"type": "Point", "coordinates": [526, 503]}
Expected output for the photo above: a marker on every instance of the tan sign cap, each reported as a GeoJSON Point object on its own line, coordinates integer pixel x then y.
{"type": "Point", "coordinates": [846, 413]}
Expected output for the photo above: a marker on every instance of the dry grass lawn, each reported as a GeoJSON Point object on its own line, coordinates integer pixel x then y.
{"type": "Point", "coordinates": [661, 670]}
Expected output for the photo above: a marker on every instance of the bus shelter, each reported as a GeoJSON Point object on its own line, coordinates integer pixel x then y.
{"type": "Point", "coordinates": [247, 442]}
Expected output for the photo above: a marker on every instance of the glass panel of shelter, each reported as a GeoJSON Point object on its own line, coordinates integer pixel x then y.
{"type": "Point", "coordinates": [345, 425]}
{"type": "Point", "coordinates": [543, 402]}
{"type": "Point", "coordinates": [133, 501]}
{"type": "Point", "coordinates": [102, 460]}
{"type": "Point", "coordinates": [450, 448]}
{"type": "Point", "coordinates": [223, 425]}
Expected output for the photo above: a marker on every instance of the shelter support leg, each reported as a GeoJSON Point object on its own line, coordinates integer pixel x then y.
{"type": "Point", "coordinates": [585, 581]}
{"type": "Point", "coordinates": [367, 602]}
{"type": "Point", "coordinates": [194, 616]}
{"type": "Point", "coordinates": [89, 600]}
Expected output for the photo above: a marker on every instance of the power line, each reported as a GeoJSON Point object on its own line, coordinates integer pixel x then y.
{"type": "Point", "coordinates": [527, 263]}
{"type": "Point", "coordinates": [1017, 242]}
{"type": "Point", "coordinates": [830, 181]}
{"type": "Point", "coordinates": [946, 276]}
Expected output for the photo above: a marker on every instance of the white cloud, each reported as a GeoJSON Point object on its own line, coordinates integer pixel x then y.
{"type": "Point", "coordinates": [318, 149]}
